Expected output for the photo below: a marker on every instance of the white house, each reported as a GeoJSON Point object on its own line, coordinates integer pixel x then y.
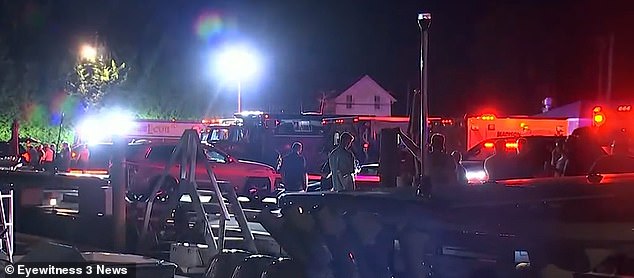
{"type": "Point", "coordinates": [365, 97]}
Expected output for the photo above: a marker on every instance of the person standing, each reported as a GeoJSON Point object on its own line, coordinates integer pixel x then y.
{"type": "Point", "coordinates": [342, 164]}
{"type": "Point", "coordinates": [461, 172]}
{"type": "Point", "coordinates": [83, 157]}
{"type": "Point", "coordinates": [47, 160]}
{"type": "Point", "coordinates": [54, 149]}
{"type": "Point", "coordinates": [40, 151]}
{"type": "Point", "coordinates": [63, 158]}
{"type": "Point", "coordinates": [293, 169]}
{"type": "Point", "coordinates": [441, 166]}
{"type": "Point", "coordinates": [34, 156]}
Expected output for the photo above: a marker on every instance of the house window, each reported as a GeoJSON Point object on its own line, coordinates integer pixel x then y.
{"type": "Point", "coordinates": [377, 102]}
{"type": "Point", "coordinates": [348, 101]}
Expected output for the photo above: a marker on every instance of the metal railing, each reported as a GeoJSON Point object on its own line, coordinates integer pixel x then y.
{"type": "Point", "coordinates": [6, 218]}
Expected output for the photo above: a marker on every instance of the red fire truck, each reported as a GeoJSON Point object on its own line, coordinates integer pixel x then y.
{"type": "Point", "coordinates": [266, 137]}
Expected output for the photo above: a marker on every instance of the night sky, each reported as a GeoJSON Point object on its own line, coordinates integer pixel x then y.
{"type": "Point", "coordinates": [504, 56]}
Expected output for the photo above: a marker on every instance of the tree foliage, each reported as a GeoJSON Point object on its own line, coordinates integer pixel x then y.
{"type": "Point", "coordinates": [91, 79]}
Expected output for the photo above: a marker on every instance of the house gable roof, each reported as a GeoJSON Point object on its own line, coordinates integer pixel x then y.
{"type": "Point", "coordinates": [366, 82]}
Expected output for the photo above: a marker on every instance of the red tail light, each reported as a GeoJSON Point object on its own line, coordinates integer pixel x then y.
{"type": "Point", "coordinates": [511, 145]}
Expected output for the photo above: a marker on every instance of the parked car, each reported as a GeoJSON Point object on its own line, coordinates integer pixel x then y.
{"type": "Point", "coordinates": [147, 161]}
{"type": "Point", "coordinates": [8, 160]}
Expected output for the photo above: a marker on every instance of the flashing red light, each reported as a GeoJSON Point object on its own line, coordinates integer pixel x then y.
{"type": "Point", "coordinates": [323, 122]}
{"type": "Point", "coordinates": [489, 145]}
{"type": "Point", "coordinates": [340, 121]}
{"type": "Point", "coordinates": [625, 108]}
{"type": "Point", "coordinates": [511, 145]}
{"type": "Point", "coordinates": [366, 145]}
{"type": "Point", "coordinates": [355, 120]}
{"type": "Point", "coordinates": [598, 119]}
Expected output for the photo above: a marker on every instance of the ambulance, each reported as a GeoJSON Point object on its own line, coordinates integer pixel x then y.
{"type": "Point", "coordinates": [487, 126]}
{"type": "Point", "coordinates": [94, 132]}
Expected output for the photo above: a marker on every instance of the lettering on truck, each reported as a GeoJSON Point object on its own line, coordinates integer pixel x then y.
{"type": "Point", "coordinates": [158, 129]}
{"type": "Point", "coordinates": [508, 134]}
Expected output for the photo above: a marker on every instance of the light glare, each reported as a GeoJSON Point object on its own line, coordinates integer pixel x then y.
{"type": "Point", "coordinates": [476, 176]}
{"type": "Point", "coordinates": [102, 127]}
{"type": "Point", "coordinates": [237, 64]}
{"type": "Point", "coordinates": [88, 52]}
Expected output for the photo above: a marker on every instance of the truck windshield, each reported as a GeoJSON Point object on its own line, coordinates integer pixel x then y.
{"type": "Point", "coordinates": [230, 134]}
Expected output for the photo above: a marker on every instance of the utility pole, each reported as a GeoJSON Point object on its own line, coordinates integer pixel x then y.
{"type": "Point", "coordinates": [424, 21]}
{"type": "Point", "coordinates": [118, 182]}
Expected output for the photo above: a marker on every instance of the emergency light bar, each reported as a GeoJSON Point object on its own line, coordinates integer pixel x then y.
{"type": "Point", "coordinates": [249, 113]}
{"type": "Point", "coordinates": [223, 122]}
{"type": "Point", "coordinates": [487, 117]}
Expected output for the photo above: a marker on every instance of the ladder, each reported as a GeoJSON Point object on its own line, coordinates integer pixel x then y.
{"type": "Point", "coordinates": [185, 154]}
{"type": "Point", "coordinates": [6, 223]}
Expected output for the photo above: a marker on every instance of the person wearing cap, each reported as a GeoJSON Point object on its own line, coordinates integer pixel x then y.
{"type": "Point", "coordinates": [293, 169]}
{"type": "Point", "coordinates": [342, 164]}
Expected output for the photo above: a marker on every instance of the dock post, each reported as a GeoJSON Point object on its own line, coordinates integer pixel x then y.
{"type": "Point", "coordinates": [118, 182]}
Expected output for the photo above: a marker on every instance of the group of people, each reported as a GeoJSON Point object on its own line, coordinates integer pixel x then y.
{"type": "Point", "coordinates": [45, 157]}
{"type": "Point", "coordinates": [341, 167]}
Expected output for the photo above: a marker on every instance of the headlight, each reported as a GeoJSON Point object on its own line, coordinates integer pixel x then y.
{"type": "Point", "coordinates": [476, 176]}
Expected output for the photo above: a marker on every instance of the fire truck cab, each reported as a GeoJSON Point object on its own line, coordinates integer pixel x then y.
{"type": "Point", "coordinates": [366, 131]}
{"type": "Point", "coordinates": [267, 137]}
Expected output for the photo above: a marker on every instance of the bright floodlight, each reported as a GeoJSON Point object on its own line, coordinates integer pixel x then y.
{"type": "Point", "coordinates": [88, 52]}
{"type": "Point", "coordinates": [237, 64]}
{"type": "Point", "coordinates": [104, 126]}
